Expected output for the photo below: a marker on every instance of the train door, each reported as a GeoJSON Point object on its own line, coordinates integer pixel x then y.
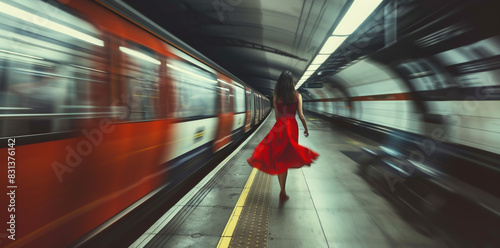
{"type": "Point", "coordinates": [239, 110]}
{"type": "Point", "coordinates": [195, 110]}
{"type": "Point", "coordinates": [256, 107]}
{"type": "Point", "coordinates": [248, 108]}
{"type": "Point", "coordinates": [252, 107]}
{"type": "Point", "coordinates": [225, 102]}
{"type": "Point", "coordinates": [260, 108]}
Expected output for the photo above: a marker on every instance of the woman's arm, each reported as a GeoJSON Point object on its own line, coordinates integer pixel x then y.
{"type": "Point", "coordinates": [301, 116]}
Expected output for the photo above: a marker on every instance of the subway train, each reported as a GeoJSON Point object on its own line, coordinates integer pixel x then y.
{"type": "Point", "coordinates": [430, 97]}
{"type": "Point", "coordinates": [98, 112]}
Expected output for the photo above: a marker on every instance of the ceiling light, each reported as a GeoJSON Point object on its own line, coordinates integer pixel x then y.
{"type": "Point", "coordinates": [313, 67]}
{"type": "Point", "coordinates": [320, 59]}
{"type": "Point", "coordinates": [357, 13]}
{"type": "Point", "coordinates": [332, 44]}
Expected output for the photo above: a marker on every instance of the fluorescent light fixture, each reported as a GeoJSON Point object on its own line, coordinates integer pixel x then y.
{"type": "Point", "coordinates": [320, 58]}
{"type": "Point", "coordinates": [29, 17]}
{"type": "Point", "coordinates": [301, 81]}
{"type": "Point", "coordinates": [357, 13]}
{"type": "Point", "coordinates": [190, 73]}
{"type": "Point", "coordinates": [139, 55]}
{"type": "Point", "coordinates": [25, 55]}
{"type": "Point", "coordinates": [313, 67]}
{"type": "Point", "coordinates": [332, 44]}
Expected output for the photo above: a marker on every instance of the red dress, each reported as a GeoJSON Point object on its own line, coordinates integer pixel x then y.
{"type": "Point", "coordinates": [280, 149]}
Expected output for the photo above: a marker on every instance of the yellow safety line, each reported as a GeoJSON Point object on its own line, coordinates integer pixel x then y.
{"type": "Point", "coordinates": [227, 234]}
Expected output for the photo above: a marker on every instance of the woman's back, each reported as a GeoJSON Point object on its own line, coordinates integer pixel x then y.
{"type": "Point", "coordinates": [286, 110]}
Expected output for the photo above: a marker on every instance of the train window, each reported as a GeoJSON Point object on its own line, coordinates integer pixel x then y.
{"type": "Point", "coordinates": [239, 99]}
{"type": "Point", "coordinates": [142, 77]}
{"type": "Point", "coordinates": [232, 98]}
{"type": "Point", "coordinates": [47, 74]}
{"type": "Point", "coordinates": [224, 93]}
{"type": "Point", "coordinates": [248, 100]}
{"type": "Point", "coordinates": [195, 90]}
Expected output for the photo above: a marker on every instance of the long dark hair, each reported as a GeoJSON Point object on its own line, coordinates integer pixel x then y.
{"type": "Point", "coordinates": [285, 88]}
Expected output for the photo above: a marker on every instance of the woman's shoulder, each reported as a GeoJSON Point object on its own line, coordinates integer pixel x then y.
{"type": "Point", "coordinates": [297, 94]}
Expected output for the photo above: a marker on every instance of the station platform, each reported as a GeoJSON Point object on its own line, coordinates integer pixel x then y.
{"type": "Point", "coordinates": [330, 205]}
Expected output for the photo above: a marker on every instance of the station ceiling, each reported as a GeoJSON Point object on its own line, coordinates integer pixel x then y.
{"type": "Point", "coordinates": [254, 40]}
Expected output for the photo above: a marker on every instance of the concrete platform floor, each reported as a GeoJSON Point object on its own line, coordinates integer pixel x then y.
{"type": "Point", "coordinates": [329, 205]}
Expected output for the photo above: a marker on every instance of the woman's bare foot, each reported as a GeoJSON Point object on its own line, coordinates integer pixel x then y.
{"type": "Point", "coordinates": [284, 196]}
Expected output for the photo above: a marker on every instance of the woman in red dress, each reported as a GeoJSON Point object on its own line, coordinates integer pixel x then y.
{"type": "Point", "coordinates": [280, 149]}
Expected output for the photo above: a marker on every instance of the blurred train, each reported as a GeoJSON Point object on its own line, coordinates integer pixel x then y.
{"type": "Point", "coordinates": [431, 97]}
{"type": "Point", "coordinates": [97, 112]}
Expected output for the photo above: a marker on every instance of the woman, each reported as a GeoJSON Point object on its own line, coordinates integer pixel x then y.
{"type": "Point", "coordinates": [280, 149]}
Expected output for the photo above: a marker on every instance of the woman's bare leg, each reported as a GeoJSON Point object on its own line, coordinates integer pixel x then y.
{"type": "Point", "coordinates": [282, 180]}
